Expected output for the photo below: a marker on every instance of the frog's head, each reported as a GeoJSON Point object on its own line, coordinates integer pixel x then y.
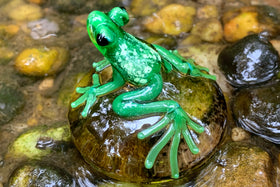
{"type": "Point", "coordinates": [104, 29]}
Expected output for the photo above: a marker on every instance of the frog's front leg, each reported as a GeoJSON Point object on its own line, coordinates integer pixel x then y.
{"type": "Point", "coordinates": [181, 64]}
{"type": "Point", "coordinates": [138, 102]}
{"type": "Point", "coordinates": [91, 93]}
{"type": "Point", "coordinates": [99, 66]}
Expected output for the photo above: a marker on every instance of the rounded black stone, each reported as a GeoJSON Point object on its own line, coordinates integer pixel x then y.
{"type": "Point", "coordinates": [250, 61]}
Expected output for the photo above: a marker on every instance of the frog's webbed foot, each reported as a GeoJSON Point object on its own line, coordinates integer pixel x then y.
{"type": "Point", "coordinates": [88, 95]}
{"type": "Point", "coordinates": [179, 122]}
{"type": "Point", "coordinates": [188, 66]}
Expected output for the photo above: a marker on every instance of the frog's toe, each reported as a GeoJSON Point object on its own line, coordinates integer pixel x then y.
{"type": "Point", "coordinates": [188, 138]}
{"type": "Point", "coordinates": [154, 128]}
{"type": "Point", "coordinates": [174, 154]}
{"type": "Point", "coordinates": [153, 153]}
{"type": "Point", "coordinates": [82, 90]}
{"type": "Point", "coordinates": [90, 101]}
{"type": "Point", "coordinates": [79, 101]}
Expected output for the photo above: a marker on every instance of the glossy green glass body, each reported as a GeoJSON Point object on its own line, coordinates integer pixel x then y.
{"type": "Point", "coordinates": [138, 63]}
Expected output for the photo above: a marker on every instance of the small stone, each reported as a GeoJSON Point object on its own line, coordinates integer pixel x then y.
{"type": "Point", "coordinates": [42, 29]}
{"type": "Point", "coordinates": [250, 61]}
{"type": "Point", "coordinates": [191, 40]}
{"type": "Point", "coordinates": [11, 101]}
{"type": "Point", "coordinates": [276, 44]}
{"type": "Point", "coordinates": [237, 164]}
{"type": "Point", "coordinates": [8, 30]}
{"type": "Point", "coordinates": [39, 2]}
{"type": "Point", "coordinates": [81, 19]}
{"type": "Point", "coordinates": [166, 42]}
{"type": "Point", "coordinates": [46, 84]}
{"type": "Point", "coordinates": [258, 111]}
{"type": "Point", "coordinates": [40, 174]}
{"type": "Point", "coordinates": [41, 61]}
{"type": "Point", "coordinates": [6, 55]}
{"type": "Point", "coordinates": [209, 30]}
{"type": "Point", "coordinates": [207, 11]}
{"type": "Point", "coordinates": [147, 7]}
{"type": "Point", "coordinates": [239, 134]}
{"type": "Point", "coordinates": [57, 135]}
{"type": "Point", "coordinates": [244, 21]}
{"type": "Point", "coordinates": [26, 12]}
{"type": "Point", "coordinates": [172, 19]}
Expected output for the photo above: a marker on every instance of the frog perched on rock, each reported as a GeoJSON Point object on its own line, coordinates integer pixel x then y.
{"type": "Point", "coordinates": [138, 63]}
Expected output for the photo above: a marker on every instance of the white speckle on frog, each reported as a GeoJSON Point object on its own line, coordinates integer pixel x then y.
{"type": "Point", "coordinates": [142, 81]}
{"type": "Point", "coordinates": [145, 56]}
{"type": "Point", "coordinates": [134, 52]}
{"type": "Point", "coordinates": [147, 69]}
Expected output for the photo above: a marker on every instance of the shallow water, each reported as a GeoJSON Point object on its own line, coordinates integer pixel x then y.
{"type": "Point", "coordinates": [46, 98]}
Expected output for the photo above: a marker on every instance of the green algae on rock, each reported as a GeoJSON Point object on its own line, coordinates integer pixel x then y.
{"type": "Point", "coordinates": [238, 164]}
{"type": "Point", "coordinates": [39, 141]}
{"type": "Point", "coordinates": [109, 142]}
{"type": "Point", "coordinates": [40, 174]}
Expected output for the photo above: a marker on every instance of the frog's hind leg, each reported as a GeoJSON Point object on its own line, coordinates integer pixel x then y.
{"type": "Point", "coordinates": [138, 102]}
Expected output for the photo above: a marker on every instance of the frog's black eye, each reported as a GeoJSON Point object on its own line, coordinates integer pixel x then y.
{"type": "Point", "coordinates": [101, 40]}
{"type": "Point", "coordinates": [123, 8]}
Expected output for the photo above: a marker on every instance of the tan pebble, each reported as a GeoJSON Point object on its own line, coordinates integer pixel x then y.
{"type": "Point", "coordinates": [146, 7]}
{"type": "Point", "coordinates": [209, 30]}
{"type": "Point", "coordinates": [276, 45]}
{"type": "Point", "coordinates": [190, 40]}
{"type": "Point", "coordinates": [32, 121]}
{"type": "Point", "coordinates": [6, 54]}
{"type": "Point", "coordinates": [82, 19]}
{"type": "Point", "coordinates": [41, 61]}
{"type": "Point", "coordinates": [240, 26]}
{"type": "Point", "coordinates": [172, 19]}
{"type": "Point", "coordinates": [239, 134]}
{"type": "Point", "coordinates": [39, 2]}
{"type": "Point", "coordinates": [26, 12]}
{"type": "Point", "coordinates": [244, 21]}
{"type": "Point", "coordinates": [207, 11]}
{"type": "Point", "coordinates": [9, 30]}
{"type": "Point", "coordinates": [47, 83]}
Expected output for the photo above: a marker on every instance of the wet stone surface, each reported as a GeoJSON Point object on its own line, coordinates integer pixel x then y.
{"type": "Point", "coordinates": [258, 111]}
{"type": "Point", "coordinates": [250, 61]}
{"type": "Point", "coordinates": [238, 164]}
{"type": "Point", "coordinates": [109, 142]}
{"type": "Point", "coordinates": [40, 174]}
{"type": "Point", "coordinates": [11, 100]}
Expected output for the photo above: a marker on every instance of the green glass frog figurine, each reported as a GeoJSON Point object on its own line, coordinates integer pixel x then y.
{"type": "Point", "coordinates": [138, 63]}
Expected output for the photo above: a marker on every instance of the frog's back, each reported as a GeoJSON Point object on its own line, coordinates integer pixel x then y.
{"type": "Point", "coordinates": [135, 60]}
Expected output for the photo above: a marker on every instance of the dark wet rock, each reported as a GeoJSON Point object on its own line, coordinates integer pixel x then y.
{"type": "Point", "coordinates": [250, 61]}
{"type": "Point", "coordinates": [258, 111]}
{"type": "Point", "coordinates": [11, 100]}
{"type": "Point", "coordinates": [40, 174]}
{"type": "Point", "coordinates": [109, 142]}
{"type": "Point", "coordinates": [238, 164]}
